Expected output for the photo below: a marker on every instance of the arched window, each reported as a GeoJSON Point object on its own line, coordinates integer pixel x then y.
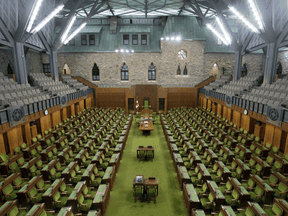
{"type": "Point", "coordinates": [124, 72]}
{"type": "Point", "coordinates": [95, 73]}
{"type": "Point", "coordinates": [151, 72]}
{"type": "Point", "coordinates": [185, 71]}
{"type": "Point", "coordinates": [279, 68]}
{"type": "Point", "coordinates": [66, 69]}
{"type": "Point", "coordinates": [178, 70]}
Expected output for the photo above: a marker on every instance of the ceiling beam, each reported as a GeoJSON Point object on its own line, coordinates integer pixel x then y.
{"type": "Point", "coordinates": [282, 36]}
{"type": "Point", "coordinates": [246, 42]}
{"type": "Point", "coordinates": [5, 32]}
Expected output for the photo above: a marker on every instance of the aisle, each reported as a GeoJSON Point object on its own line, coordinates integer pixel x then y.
{"type": "Point", "coordinates": [170, 201]}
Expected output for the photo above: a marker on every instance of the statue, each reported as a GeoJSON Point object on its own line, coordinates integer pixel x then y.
{"type": "Point", "coordinates": [137, 105]}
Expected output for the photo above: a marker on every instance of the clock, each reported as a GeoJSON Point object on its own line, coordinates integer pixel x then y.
{"type": "Point", "coordinates": [245, 112]}
{"type": "Point", "coordinates": [46, 112]}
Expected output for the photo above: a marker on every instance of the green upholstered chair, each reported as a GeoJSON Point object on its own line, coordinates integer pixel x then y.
{"type": "Point", "coordinates": [75, 178]}
{"type": "Point", "coordinates": [33, 171]}
{"type": "Point", "coordinates": [9, 192]}
{"type": "Point", "coordinates": [270, 160]}
{"type": "Point", "coordinates": [13, 167]}
{"type": "Point", "coordinates": [95, 181]}
{"type": "Point", "coordinates": [201, 190]}
{"type": "Point", "coordinates": [257, 194]}
{"type": "Point", "coordinates": [89, 192]}
{"type": "Point", "coordinates": [272, 180]}
{"type": "Point", "coordinates": [207, 202]}
{"type": "Point", "coordinates": [41, 186]}
{"type": "Point", "coordinates": [66, 190]}
{"type": "Point", "coordinates": [54, 174]}
{"type": "Point", "coordinates": [34, 195]}
{"type": "Point", "coordinates": [18, 183]}
{"type": "Point", "coordinates": [138, 192]}
{"type": "Point", "coordinates": [217, 177]}
{"type": "Point", "coordinates": [275, 209]}
{"type": "Point", "coordinates": [281, 191]}
{"type": "Point", "coordinates": [146, 104]}
{"type": "Point", "coordinates": [59, 201]}
{"type": "Point", "coordinates": [150, 155]}
{"type": "Point", "coordinates": [151, 193]}
{"type": "Point", "coordinates": [141, 155]}
{"type": "Point", "coordinates": [249, 185]}
{"type": "Point", "coordinates": [277, 166]}
{"type": "Point", "coordinates": [196, 180]}
{"type": "Point", "coordinates": [233, 199]}
{"type": "Point", "coordinates": [226, 189]}
{"type": "Point", "coordinates": [3, 157]}
{"type": "Point", "coordinates": [84, 204]}
{"type": "Point", "coordinates": [15, 211]}
{"type": "Point", "coordinates": [103, 164]}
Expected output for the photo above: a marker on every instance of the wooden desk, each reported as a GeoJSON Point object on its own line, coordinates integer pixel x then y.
{"type": "Point", "coordinates": [109, 176]}
{"type": "Point", "coordinates": [216, 192]}
{"type": "Point", "coordinates": [245, 168]}
{"type": "Point", "coordinates": [25, 168]}
{"type": "Point", "coordinates": [44, 153]}
{"type": "Point", "coordinates": [177, 160]}
{"type": "Point", "coordinates": [182, 175]}
{"type": "Point", "coordinates": [115, 161]}
{"type": "Point", "coordinates": [190, 197]}
{"type": "Point", "coordinates": [66, 172]}
{"type": "Point", "coordinates": [49, 193]}
{"type": "Point", "coordinates": [244, 195]}
{"type": "Point", "coordinates": [225, 171]}
{"type": "Point", "coordinates": [101, 199]}
{"type": "Point", "coordinates": [265, 166]}
{"type": "Point", "coordinates": [45, 171]}
{"type": "Point", "coordinates": [149, 125]}
{"type": "Point", "coordinates": [61, 155]}
{"type": "Point", "coordinates": [119, 149]}
{"type": "Point", "coordinates": [256, 209]}
{"type": "Point", "coordinates": [5, 166]}
{"type": "Point", "coordinates": [151, 182]}
{"type": "Point", "coordinates": [268, 191]}
{"type": "Point", "coordinates": [6, 182]}
{"type": "Point", "coordinates": [173, 149]}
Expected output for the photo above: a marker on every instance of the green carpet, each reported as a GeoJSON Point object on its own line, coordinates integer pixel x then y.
{"type": "Point", "coordinates": [169, 201]}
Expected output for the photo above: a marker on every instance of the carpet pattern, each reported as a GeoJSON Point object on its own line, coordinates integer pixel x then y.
{"type": "Point", "coordinates": [169, 201]}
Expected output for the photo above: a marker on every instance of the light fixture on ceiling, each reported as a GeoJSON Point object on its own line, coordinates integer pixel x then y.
{"type": "Point", "coordinates": [132, 51]}
{"type": "Point", "coordinates": [121, 50]}
{"type": "Point", "coordinates": [47, 18]}
{"type": "Point", "coordinates": [167, 38]}
{"type": "Point", "coordinates": [127, 51]}
{"type": "Point", "coordinates": [34, 14]}
{"type": "Point", "coordinates": [217, 34]}
{"type": "Point", "coordinates": [162, 38]}
{"type": "Point", "coordinates": [226, 35]}
{"type": "Point", "coordinates": [64, 36]}
{"type": "Point", "coordinates": [257, 14]}
{"type": "Point", "coordinates": [75, 32]}
{"type": "Point", "coordinates": [244, 20]}
{"type": "Point", "coordinates": [117, 50]}
{"type": "Point", "coordinates": [172, 38]}
{"type": "Point", "coordinates": [178, 38]}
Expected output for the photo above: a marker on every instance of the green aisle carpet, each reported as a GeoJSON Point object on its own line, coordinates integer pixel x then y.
{"type": "Point", "coordinates": [169, 201]}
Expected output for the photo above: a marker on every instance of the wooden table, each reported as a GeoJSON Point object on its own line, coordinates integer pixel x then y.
{"type": "Point", "coordinates": [151, 182]}
{"type": "Point", "coordinates": [149, 126]}
{"type": "Point", "coordinates": [177, 160]}
{"type": "Point", "coordinates": [119, 149]}
{"type": "Point", "coordinates": [182, 175]}
{"type": "Point", "coordinates": [115, 161]}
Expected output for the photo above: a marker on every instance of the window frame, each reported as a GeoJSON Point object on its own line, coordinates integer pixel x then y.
{"type": "Point", "coordinates": [134, 35]}
{"type": "Point", "coordinates": [124, 73]}
{"type": "Point", "coordinates": [91, 35]}
{"type": "Point", "coordinates": [142, 39]}
{"type": "Point", "coordinates": [126, 39]}
{"type": "Point", "coordinates": [48, 67]}
{"type": "Point", "coordinates": [85, 40]}
{"type": "Point", "coordinates": [186, 71]}
{"type": "Point", "coordinates": [97, 76]}
{"type": "Point", "coordinates": [152, 72]}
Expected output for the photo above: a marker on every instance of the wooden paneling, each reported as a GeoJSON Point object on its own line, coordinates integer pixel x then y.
{"type": "Point", "coordinates": [2, 144]}
{"type": "Point", "coordinates": [214, 108]}
{"type": "Point", "coordinates": [269, 134]}
{"type": "Point", "coordinates": [63, 114]}
{"type": "Point", "coordinates": [34, 132]}
{"type": "Point", "coordinates": [130, 93]}
{"type": "Point", "coordinates": [219, 109]}
{"type": "Point", "coordinates": [229, 114]}
{"type": "Point", "coordinates": [286, 146]}
{"type": "Point", "coordinates": [12, 136]}
{"type": "Point", "coordinates": [111, 97]}
{"type": "Point", "coordinates": [19, 135]}
{"type": "Point", "coordinates": [209, 106]}
{"type": "Point", "coordinates": [81, 105]}
{"type": "Point", "coordinates": [178, 97]}
{"type": "Point", "coordinates": [88, 102]}
{"type": "Point", "coordinates": [277, 137]}
{"type": "Point", "coordinates": [27, 134]}
{"type": "Point", "coordinates": [91, 85]}
{"type": "Point", "coordinates": [162, 93]}
{"type": "Point", "coordinates": [56, 118]}
{"type": "Point", "coordinates": [45, 123]}
{"type": "Point", "coordinates": [245, 122]}
{"type": "Point", "coordinates": [72, 110]}
{"type": "Point", "coordinates": [225, 112]}
{"type": "Point", "coordinates": [237, 118]}
{"type": "Point", "coordinates": [147, 91]}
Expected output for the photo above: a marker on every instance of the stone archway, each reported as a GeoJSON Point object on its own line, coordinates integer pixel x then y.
{"type": "Point", "coordinates": [66, 69]}
{"type": "Point", "coordinates": [214, 70]}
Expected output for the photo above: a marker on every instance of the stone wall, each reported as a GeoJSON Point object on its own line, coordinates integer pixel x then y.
{"type": "Point", "coordinates": [34, 62]}
{"type": "Point", "coordinates": [226, 60]}
{"type": "Point", "coordinates": [283, 58]}
{"type": "Point", "coordinates": [6, 57]}
{"type": "Point", "coordinates": [166, 63]}
{"type": "Point", "coordinates": [254, 62]}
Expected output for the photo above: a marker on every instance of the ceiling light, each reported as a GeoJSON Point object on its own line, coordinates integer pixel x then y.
{"type": "Point", "coordinates": [75, 32]}
{"type": "Point", "coordinates": [122, 50]}
{"type": "Point", "coordinates": [172, 38]}
{"type": "Point", "coordinates": [36, 8]}
{"type": "Point", "coordinates": [162, 38]}
{"type": "Point", "coordinates": [178, 38]}
{"type": "Point", "coordinates": [257, 14]}
{"type": "Point", "coordinates": [227, 36]}
{"type": "Point", "coordinates": [117, 50]}
{"type": "Point", "coordinates": [132, 51]}
{"type": "Point", "coordinates": [127, 51]}
{"type": "Point", "coordinates": [64, 36]}
{"type": "Point", "coordinates": [167, 38]}
{"type": "Point", "coordinates": [217, 34]}
{"type": "Point", "coordinates": [244, 20]}
{"type": "Point", "coordinates": [47, 18]}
